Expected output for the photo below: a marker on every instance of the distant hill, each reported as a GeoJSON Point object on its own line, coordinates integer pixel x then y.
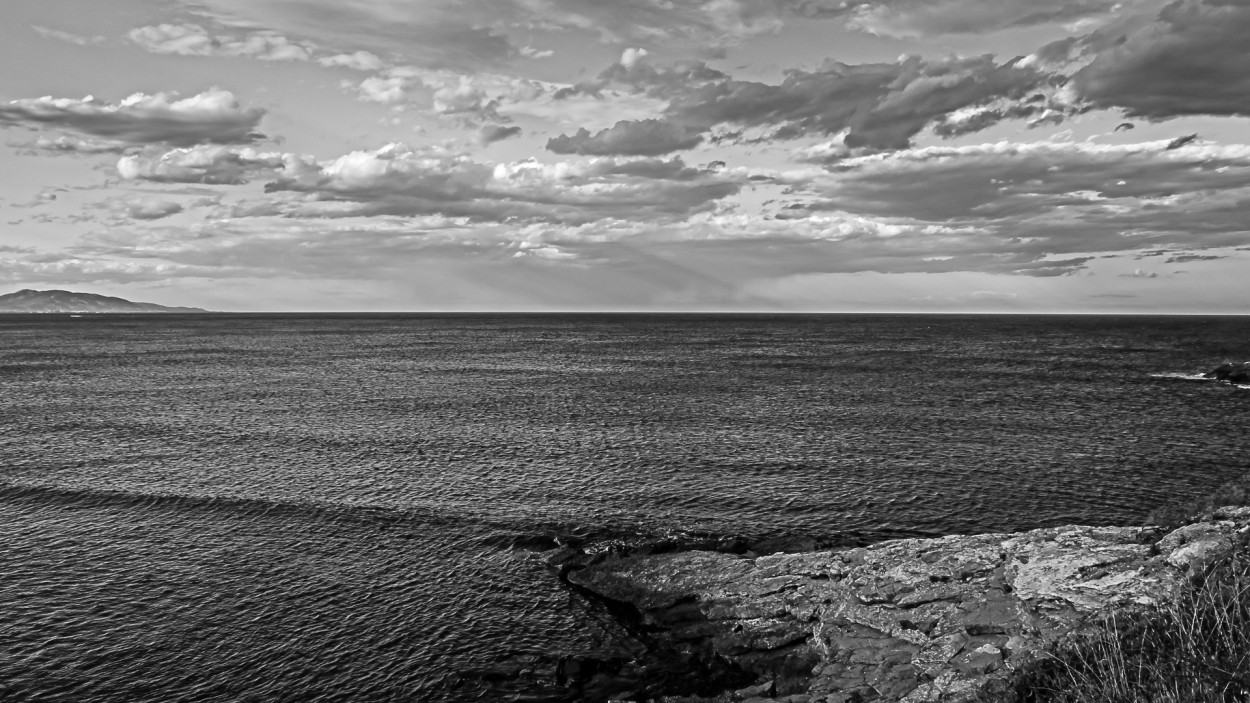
{"type": "Point", "coordinates": [67, 301]}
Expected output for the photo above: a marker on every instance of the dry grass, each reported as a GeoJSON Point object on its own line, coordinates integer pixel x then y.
{"type": "Point", "coordinates": [1194, 650]}
{"type": "Point", "coordinates": [1235, 493]}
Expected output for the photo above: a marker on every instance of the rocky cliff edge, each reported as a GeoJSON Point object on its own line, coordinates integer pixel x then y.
{"type": "Point", "coordinates": [908, 620]}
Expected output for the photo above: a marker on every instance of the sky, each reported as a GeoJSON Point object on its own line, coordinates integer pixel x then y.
{"type": "Point", "coordinates": [1085, 156]}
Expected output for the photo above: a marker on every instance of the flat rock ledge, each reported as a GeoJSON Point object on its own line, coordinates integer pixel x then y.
{"type": "Point", "coordinates": [908, 620]}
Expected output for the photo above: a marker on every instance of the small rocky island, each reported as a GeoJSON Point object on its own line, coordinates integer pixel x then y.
{"type": "Point", "coordinates": [1231, 372]}
{"type": "Point", "coordinates": [911, 620]}
{"type": "Point", "coordinates": [63, 301]}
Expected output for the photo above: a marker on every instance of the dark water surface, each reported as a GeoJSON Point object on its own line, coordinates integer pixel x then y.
{"type": "Point", "coordinates": [359, 508]}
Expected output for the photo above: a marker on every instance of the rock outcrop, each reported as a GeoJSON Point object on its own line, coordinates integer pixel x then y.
{"type": "Point", "coordinates": [1233, 373]}
{"type": "Point", "coordinates": [908, 620]}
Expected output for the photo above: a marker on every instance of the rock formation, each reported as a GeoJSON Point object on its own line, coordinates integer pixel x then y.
{"type": "Point", "coordinates": [1233, 373]}
{"type": "Point", "coordinates": [908, 620]}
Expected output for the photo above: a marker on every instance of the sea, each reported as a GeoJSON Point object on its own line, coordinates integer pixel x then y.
{"type": "Point", "coordinates": [365, 508]}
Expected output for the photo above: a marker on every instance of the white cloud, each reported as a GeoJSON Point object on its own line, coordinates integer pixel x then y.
{"type": "Point", "coordinates": [194, 40]}
{"type": "Point", "coordinates": [398, 180]}
{"type": "Point", "coordinates": [213, 116]}
{"type": "Point", "coordinates": [357, 61]}
{"type": "Point", "coordinates": [203, 164]}
{"type": "Point", "coordinates": [59, 35]}
{"type": "Point", "coordinates": [920, 18]}
{"type": "Point", "coordinates": [530, 52]}
{"type": "Point", "coordinates": [72, 145]}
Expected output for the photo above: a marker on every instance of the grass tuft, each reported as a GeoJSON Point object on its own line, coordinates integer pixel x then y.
{"type": "Point", "coordinates": [1193, 650]}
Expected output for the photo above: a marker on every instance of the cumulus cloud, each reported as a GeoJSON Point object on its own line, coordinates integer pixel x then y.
{"type": "Point", "coordinates": [631, 138]}
{"type": "Point", "coordinates": [194, 40]}
{"type": "Point", "coordinates": [213, 116]}
{"type": "Point", "coordinates": [1191, 60]}
{"type": "Point", "coordinates": [216, 165]}
{"type": "Point", "coordinates": [387, 88]}
{"type": "Point", "coordinates": [465, 98]}
{"type": "Point", "coordinates": [397, 180]}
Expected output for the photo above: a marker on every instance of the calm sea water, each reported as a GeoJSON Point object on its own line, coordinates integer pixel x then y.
{"type": "Point", "coordinates": [360, 508]}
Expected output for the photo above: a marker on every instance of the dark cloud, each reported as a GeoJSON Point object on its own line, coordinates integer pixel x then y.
{"type": "Point", "coordinates": [492, 133]}
{"type": "Point", "coordinates": [1181, 141]}
{"type": "Point", "coordinates": [1191, 60]}
{"type": "Point", "coordinates": [152, 209]}
{"type": "Point", "coordinates": [1185, 258]}
{"type": "Point", "coordinates": [878, 106]}
{"type": "Point", "coordinates": [211, 117]}
{"type": "Point", "coordinates": [629, 138]}
{"type": "Point", "coordinates": [996, 207]}
{"type": "Point", "coordinates": [995, 180]}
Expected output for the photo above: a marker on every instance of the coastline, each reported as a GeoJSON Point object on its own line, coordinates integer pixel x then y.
{"type": "Point", "coordinates": [909, 620]}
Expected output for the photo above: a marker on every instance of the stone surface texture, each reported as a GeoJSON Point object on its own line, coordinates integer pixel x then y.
{"type": "Point", "coordinates": [908, 620]}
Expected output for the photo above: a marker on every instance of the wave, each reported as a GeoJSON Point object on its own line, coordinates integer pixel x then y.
{"type": "Point", "coordinates": [1198, 377]}
{"type": "Point", "coordinates": [242, 506]}
{"type": "Point", "coordinates": [464, 532]}
{"type": "Point", "coordinates": [1182, 376]}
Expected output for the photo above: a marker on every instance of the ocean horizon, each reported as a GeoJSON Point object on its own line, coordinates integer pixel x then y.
{"type": "Point", "coordinates": [364, 507]}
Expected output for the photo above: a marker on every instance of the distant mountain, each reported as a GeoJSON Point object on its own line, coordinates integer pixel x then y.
{"type": "Point", "coordinates": [67, 301]}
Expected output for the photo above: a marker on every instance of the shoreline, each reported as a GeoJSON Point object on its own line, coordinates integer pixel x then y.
{"type": "Point", "coordinates": [905, 620]}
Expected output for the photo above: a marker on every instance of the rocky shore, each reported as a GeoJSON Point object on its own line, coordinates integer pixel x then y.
{"type": "Point", "coordinates": [908, 620]}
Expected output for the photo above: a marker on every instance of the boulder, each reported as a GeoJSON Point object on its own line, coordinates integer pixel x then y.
{"type": "Point", "coordinates": [913, 620]}
{"type": "Point", "coordinates": [1231, 372]}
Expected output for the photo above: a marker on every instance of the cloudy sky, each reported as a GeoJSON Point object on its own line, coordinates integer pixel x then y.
{"type": "Point", "coordinates": [839, 155]}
